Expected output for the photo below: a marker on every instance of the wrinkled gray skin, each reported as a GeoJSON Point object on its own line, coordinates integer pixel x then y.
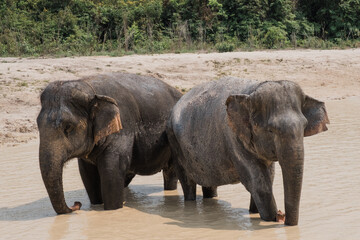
{"type": "Point", "coordinates": [233, 130]}
{"type": "Point", "coordinates": [115, 125]}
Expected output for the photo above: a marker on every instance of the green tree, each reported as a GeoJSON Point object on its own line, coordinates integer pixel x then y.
{"type": "Point", "coordinates": [86, 26]}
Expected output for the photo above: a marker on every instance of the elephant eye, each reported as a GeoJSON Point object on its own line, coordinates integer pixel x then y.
{"type": "Point", "coordinates": [68, 129]}
{"type": "Point", "coordinates": [271, 129]}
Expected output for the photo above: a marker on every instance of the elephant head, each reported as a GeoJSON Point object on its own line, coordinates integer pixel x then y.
{"type": "Point", "coordinates": [72, 120]}
{"type": "Point", "coordinates": [271, 122]}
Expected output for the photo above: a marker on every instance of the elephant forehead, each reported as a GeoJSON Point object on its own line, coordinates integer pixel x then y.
{"type": "Point", "coordinates": [57, 115]}
{"type": "Point", "coordinates": [277, 95]}
{"type": "Point", "coordinates": [66, 98]}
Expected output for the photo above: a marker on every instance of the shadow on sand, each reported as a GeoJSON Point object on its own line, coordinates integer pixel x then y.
{"type": "Point", "coordinates": [40, 208]}
{"type": "Point", "coordinates": [202, 213]}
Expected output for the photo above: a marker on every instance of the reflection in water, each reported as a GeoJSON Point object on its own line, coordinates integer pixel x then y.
{"type": "Point", "coordinates": [329, 207]}
{"type": "Point", "coordinates": [59, 227]}
{"type": "Point", "coordinates": [204, 213]}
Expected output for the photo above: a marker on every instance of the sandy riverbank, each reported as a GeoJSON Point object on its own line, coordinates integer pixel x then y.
{"type": "Point", "coordinates": [326, 75]}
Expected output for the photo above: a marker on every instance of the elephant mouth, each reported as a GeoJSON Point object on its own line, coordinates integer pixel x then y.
{"type": "Point", "coordinates": [269, 158]}
{"type": "Point", "coordinates": [273, 157]}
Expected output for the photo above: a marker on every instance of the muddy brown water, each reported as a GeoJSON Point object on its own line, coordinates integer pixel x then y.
{"type": "Point", "coordinates": [330, 203]}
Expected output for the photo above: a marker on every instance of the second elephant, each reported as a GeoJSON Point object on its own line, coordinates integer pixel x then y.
{"type": "Point", "coordinates": [234, 130]}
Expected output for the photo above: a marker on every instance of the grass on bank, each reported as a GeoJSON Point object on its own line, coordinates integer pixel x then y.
{"type": "Point", "coordinates": [114, 50]}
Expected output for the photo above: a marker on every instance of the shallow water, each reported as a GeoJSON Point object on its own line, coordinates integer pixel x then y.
{"type": "Point", "coordinates": [330, 203]}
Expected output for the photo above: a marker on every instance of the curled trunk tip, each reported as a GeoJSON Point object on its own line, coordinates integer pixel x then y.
{"type": "Point", "coordinates": [52, 177]}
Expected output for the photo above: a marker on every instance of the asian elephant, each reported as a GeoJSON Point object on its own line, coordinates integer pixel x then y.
{"type": "Point", "coordinates": [115, 125]}
{"type": "Point", "coordinates": [233, 130]}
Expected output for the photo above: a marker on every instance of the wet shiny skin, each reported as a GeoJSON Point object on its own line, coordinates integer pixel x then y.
{"type": "Point", "coordinates": [329, 207]}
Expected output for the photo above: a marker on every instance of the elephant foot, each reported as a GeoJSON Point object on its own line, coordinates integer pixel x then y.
{"type": "Point", "coordinates": [280, 217]}
{"type": "Point", "coordinates": [76, 206]}
{"type": "Point", "coordinates": [170, 184]}
{"type": "Point", "coordinates": [190, 192]}
{"type": "Point", "coordinates": [170, 179]}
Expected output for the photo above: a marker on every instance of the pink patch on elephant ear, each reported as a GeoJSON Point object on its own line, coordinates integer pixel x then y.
{"type": "Point", "coordinates": [114, 126]}
{"type": "Point", "coordinates": [316, 115]}
{"type": "Point", "coordinates": [106, 117]}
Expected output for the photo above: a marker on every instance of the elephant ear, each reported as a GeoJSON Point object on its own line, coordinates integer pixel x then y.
{"type": "Point", "coordinates": [105, 116]}
{"type": "Point", "coordinates": [239, 115]}
{"type": "Point", "coordinates": [316, 115]}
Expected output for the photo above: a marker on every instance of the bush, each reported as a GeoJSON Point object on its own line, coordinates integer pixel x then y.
{"type": "Point", "coordinates": [313, 42]}
{"type": "Point", "coordinates": [275, 37]}
{"type": "Point", "coordinates": [2, 49]}
{"type": "Point", "coordinates": [224, 47]}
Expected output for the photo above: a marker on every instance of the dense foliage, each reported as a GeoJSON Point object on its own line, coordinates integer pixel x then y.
{"type": "Point", "coordinates": [33, 27]}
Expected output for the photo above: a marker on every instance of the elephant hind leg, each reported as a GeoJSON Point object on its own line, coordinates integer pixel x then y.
{"type": "Point", "coordinates": [187, 184]}
{"type": "Point", "coordinates": [189, 189]}
{"type": "Point", "coordinates": [170, 178]}
{"type": "Point", "coordinates": [209, 192]}
{"type": "Point", "coordinates": [91, 179]}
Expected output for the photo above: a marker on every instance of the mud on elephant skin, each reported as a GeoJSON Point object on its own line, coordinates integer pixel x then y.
{"type": "Point", "coordinates": [115, 125]}
{"type": "Point", "coordinates": [232, 130]}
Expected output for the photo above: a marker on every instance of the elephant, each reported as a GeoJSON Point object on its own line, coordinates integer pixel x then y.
{"type": "Point", "coordinates": [115, 124]}
{"type": "Point", "coordinates": [234, 130]}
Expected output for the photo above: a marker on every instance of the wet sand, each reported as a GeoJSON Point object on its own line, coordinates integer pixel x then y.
{"type": "Point", "coordinates": [329, 208]}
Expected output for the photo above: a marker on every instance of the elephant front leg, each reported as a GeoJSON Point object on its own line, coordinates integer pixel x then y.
{"type": "Point", "coordinates": [265, 204]}
{"type": "Point", "coordinates": [91, 179]}
{"type": "Point", "coordinates": [262, 200]}
{"type": "Point", "coordinates": [112, 176]}
{"type": "Point", "coordinates": [253, 207]}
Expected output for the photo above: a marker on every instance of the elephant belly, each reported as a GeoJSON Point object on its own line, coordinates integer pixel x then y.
{"type": "Point", "coordinates": [150, 154]}
{"type": "Point", "coordinates": [210, 171]}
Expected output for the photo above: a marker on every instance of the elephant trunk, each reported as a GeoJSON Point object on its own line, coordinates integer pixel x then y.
{"type": "Point", "coordinates": [292, 165]}
{"type": "Point", "coordinates": [51, 171]}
